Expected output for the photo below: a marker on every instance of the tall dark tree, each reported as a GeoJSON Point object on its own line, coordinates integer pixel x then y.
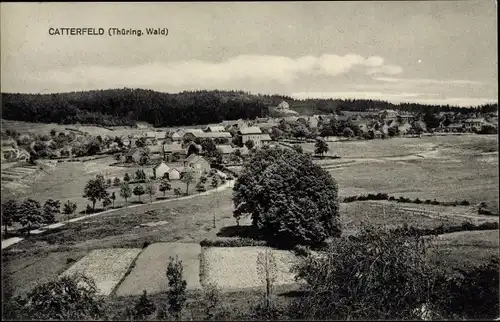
{"type": "Point", "coordinates": [10, 214]}
{"type": "Point", "coordinates": [288, 197]}
{"type": "Point", "coordinates": [95, 190]}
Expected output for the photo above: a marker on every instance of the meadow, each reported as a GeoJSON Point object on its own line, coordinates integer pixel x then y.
{"type": "Point", "coordinates": [442, 168]}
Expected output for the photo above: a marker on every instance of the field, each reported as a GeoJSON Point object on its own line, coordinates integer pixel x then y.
{"type": "Point", "coordinates": [105, 266]}
{"type": "Point", "coordinates": [446, 168]}
{"type": "Point", "coordinates": [150, 267]}
{"type": "Point", "coordinates": [67, 182]}
{"type": "Point", "coordinates": [442, 168]}
{"type": "Point", "coordinates": [21, 273]}
{"type": "Point", "coordinates": [236, 267]}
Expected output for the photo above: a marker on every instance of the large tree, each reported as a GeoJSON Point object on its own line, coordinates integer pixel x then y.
{"type": "Point", "coordinates": [30, 214]}
{"type": "Point", "coordinates": [10, 214]}
{"type": "Point", "coordinates": [320, 147]}
{"type": "Point", "coordinates": [288, 197]}
{"type": "Point", "coordinates": [95, 190]}
{"type": "Point", "coordinates": [187, 177]}
{"type": "Point", "coordinates": [51, 209]}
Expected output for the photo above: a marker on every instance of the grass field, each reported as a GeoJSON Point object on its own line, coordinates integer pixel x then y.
{"type": "Point", "coordinates": [444, 168]}
{"type": "Point", "coordinates": [462, 168]}
{"type": "Point", "coordinates": [67, 182]}
{"type": "Point", "coordinates": [21, 273]}
{"type": "Point", "coordinates": [105, 266]}
{"type": "Point", "coordinates": [465, 249]}
{"type": "Point", "coordinates": [150, 267]}
{"type": "Point", "coordinates": [236, 267]}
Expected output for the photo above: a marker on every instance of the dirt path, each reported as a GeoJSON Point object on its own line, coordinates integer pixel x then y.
{"type": "Point", "coordinates": [14, 240]}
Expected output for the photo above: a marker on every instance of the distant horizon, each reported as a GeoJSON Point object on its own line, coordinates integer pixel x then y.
{"type": "Point", "coordinates": [302, 96]}
{"type": "Point", "coordinates": [426, 52]}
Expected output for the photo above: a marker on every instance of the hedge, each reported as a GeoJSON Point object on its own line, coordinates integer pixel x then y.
{"type": "Point", "coordinates": [385, 196]}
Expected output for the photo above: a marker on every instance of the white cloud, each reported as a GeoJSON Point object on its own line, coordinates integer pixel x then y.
{"type": "Point", "coordinates": [260, 68]}
{"type": "Point", "coordinates": [385, 69]}
{"type": "Point", "coordinates": [426, 81]}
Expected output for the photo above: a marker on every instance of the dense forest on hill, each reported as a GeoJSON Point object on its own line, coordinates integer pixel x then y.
{"type": "Point", "coordinates": [127, 106]}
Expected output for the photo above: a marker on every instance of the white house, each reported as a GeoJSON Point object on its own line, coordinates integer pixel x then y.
{"type": "Point", "coordinates": [283, 106]}
{"type": "Point", "coordinates": [175, 173]}
{"type": "Point", "coordinates": [251, 133]}
{"type": "Point", "coordinates": [215, 128]}
{"type": "Point", "coordinates": [160, 169]}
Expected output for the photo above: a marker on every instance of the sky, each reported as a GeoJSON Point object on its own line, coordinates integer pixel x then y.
{"type": "Point", "coordinates": [436, 52]}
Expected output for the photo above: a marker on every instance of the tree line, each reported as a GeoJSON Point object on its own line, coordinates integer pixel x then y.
{"type": "Point", "coordinates": [116, 107]}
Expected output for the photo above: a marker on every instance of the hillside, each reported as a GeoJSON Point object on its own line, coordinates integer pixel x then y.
{"type": "Point", "coordinates": [127, 106]}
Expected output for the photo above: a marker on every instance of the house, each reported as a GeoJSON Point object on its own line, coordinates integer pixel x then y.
{"type": "Point", "coordinates": [378, 134]}
{"type": "Point", "coordinates": [199, 164]}
{"type": "Point", "coordinates": [175, 173]}
{"type": "Point", "coordinates": [9, 153]}
{"type": "Point", "coordinates": [176, 137]}
{"type": "Point", "coordinates": [216, 135]}
{"type": "Point", "coordinates": [474, 124]}
{"type": "Point", "coordinates": [456, 127]}
{"type": "Point", "coordinates": [265, 138]}
{"type": "Point", "coordinates": [173, 148]}
{"type": "Point", "coordinates": [142, 125]}
{"type": "Point", "coordinates": [313, 122]}
{"type": "Point", "coordinates": [134, 154]}
{"type": "Point", "coordinates": [388, 114]}
{"type": "Point", "coordinates": [215, 128]}
{"type": "Point", "coordinates": [283, 106]}
{"type": "Point", "coordinates": [225, 149]}
{"type": "Point", "coordinates": [160, 169]}
{"type": "Point", "coordinates": [251, 133]}
{"type": "Point", "coordinates": [405, 118]}
{"type": "Point", "coordinates": [156, 150]}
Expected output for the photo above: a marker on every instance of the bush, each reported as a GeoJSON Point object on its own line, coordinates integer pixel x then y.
{"type": "Point", "coordinates": [234, 242]}
{"type": "Point", "coordinates": [378, 275]}
{"type": "Point", "coordinates": [143, 308]}
{"type": "Point", "coordinates": [302, 251]}
{"type": "Point", "coordinates": [66, 298]}
{"type": "Point", "coordinates": [417, 201]}
{"type": "Point", "coordinates": [465, 203]}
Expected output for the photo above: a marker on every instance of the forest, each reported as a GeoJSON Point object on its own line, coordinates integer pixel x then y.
{"type": "Point", "coordinates": [115, 107]}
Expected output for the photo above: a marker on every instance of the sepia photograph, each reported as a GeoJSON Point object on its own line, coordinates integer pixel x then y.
{"type": "Point", "coordinates": [180, 161]}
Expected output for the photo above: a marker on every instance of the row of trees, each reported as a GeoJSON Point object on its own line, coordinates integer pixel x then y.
{"type": "Point", "coordinates": [126, 106]}
{"type": "Point", "coordinates": [30, 213]}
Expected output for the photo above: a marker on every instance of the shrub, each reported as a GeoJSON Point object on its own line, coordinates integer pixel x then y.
{"type": "Point", "coordinates": [177, 287]}
{"type": "Point", "coordinates": [233, 242]}
{"type": "Point", "coordinates": [465, 203]}
{"type": "Point", "coordinates": [211, 299]}
{"type": "Point", "coordinates": [143, 308]}
{"type": "Point", "coordinates": [301, 250]}
{"type": "Point", "coordinates": [378, 275]}
{"type": "Point", "coordinates": [66, 298]}
{"type": "Point", "coordinates": [418, 201]}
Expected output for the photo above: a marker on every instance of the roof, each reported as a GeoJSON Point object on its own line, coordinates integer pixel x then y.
{"type": "Point", "coordinates": [265, 137]}
{"type": "Point", "coordinates": [250, 130]}
{"type": "Point", "coordinates": [173, 147]}
{"type": "Point", "coordinates": [159, 164]}
{"type": "Point", "coordinates": [194, 158]}
{"type": "Point", "coordinates": [221, 134]}
{"type": "Point", "coordinates": [474, 120]}
{"type": "Point", "coordinates": [155, 148]}
{"type": "Point", "coordinates": [178, 169]}
{"type": "Point", "coordinates": [215, 128]}
{"type": "Point", "coordinates": [456, 125]}
{"type": "Point", "coordinates": [193, 131]}
{"type": "Point", "coordinates": [176, 135]}
{"type": "Point", "coordinates": [225, 149]}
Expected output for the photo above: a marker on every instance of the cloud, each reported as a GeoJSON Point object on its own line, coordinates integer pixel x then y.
{"type": "Point", "coordinates": [385, 69]}
{"type": "Point", "coordinates": [257, 68]}
{"type": "Point", "coordinates": [423, 98]}
{"type": "Point", "coordinates": [426, 81]}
